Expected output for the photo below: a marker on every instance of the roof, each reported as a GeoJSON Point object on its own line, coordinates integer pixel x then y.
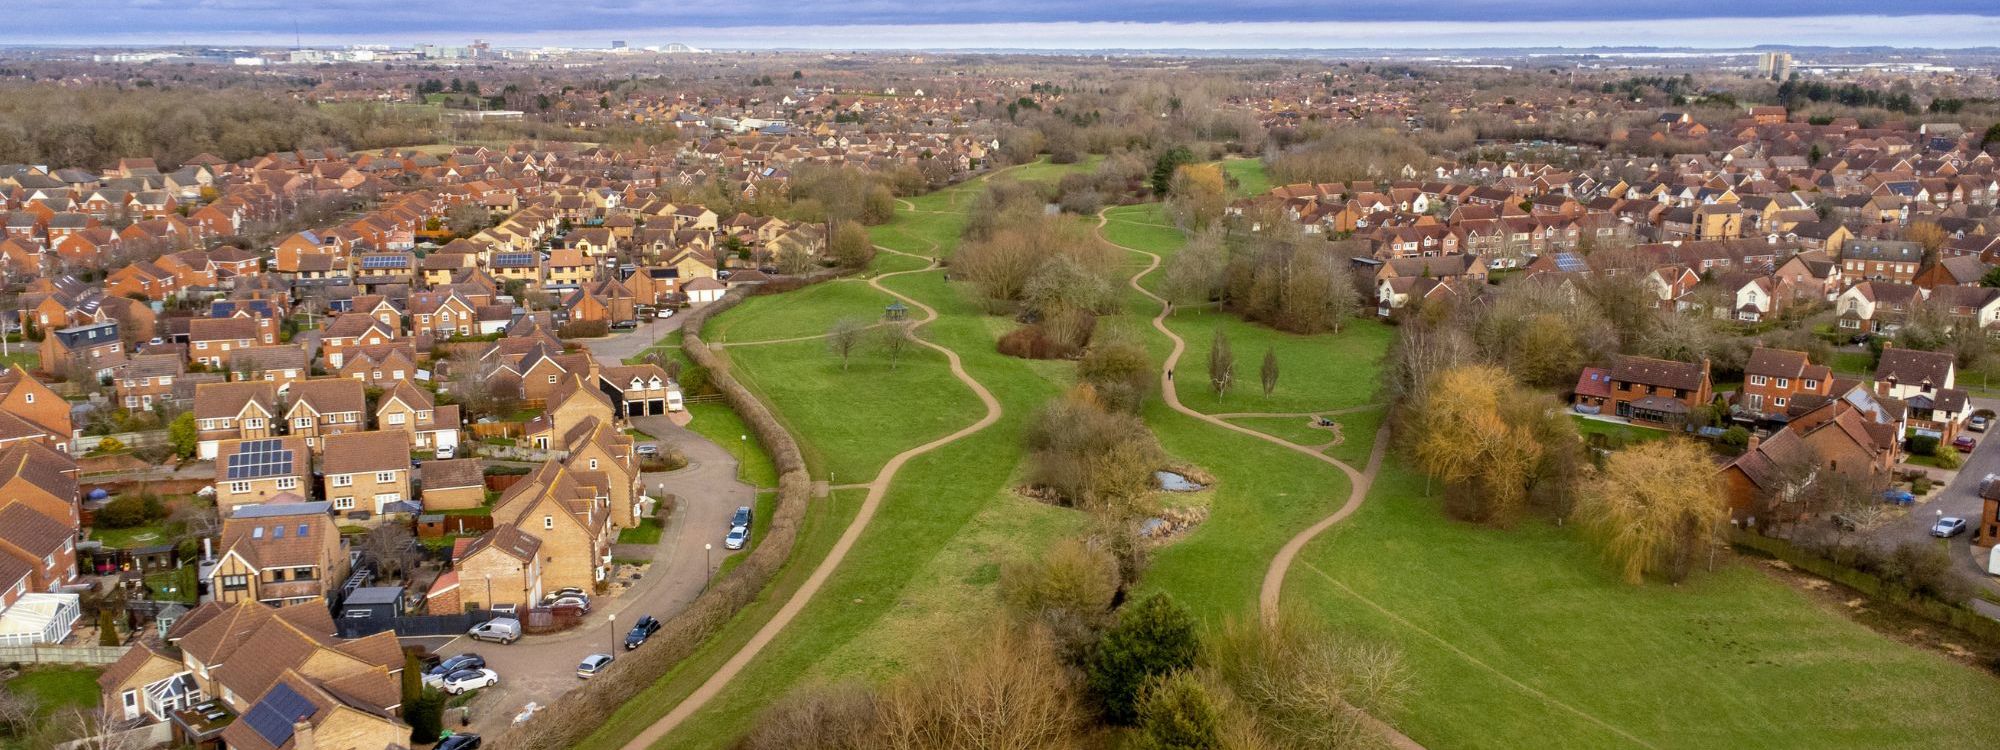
{"type": "Point", "coordinates": [1783, 363]}
{"type": "Point", "coordinates": [222, 400]}
{"type": "Point", "coordinates": [453, 473]}
{"type": "Point", "coordinates": [330, 395]}
{"type": "Point", "coordinates": [36, 534]}
{"type": "Point", "coordinates": [378, 450]}
{"type": "Point", "coordinates": [278, 541]}
{"type": "Point", "coordinates": [506, 539]}
{"type": "Point", "coordinates": [1659, 372]}
{"type": "Point", "coordinates": [1912, 366]}
{"type": "Point", "coordinates": [1595, 381]}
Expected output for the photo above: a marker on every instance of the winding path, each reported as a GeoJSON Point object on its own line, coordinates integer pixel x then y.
{"type": "Point", "coordinates": [1358, 481]}
{"type": "Point", "coordinates": [713, 686]}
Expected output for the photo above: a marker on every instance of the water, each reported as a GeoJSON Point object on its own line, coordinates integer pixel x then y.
{"type": "Point", "coordinates": [1172, 482]}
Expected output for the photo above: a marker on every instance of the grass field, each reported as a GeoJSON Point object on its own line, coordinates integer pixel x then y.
{"type": "Point", "coordinates": [806, 312]}
{"type": "Point", "coordinates": [56, 688]}
{"type": "Point", "coordinates": [1327, 371]}
{"type": "Point", "coordinates": [1250, 175]}
{"type": "Point", "coordinates": [1527, 630]}
{"type": "Point", "coordinates": [132, 536]}
{"type": "Point", "coordinates": [715, 421]}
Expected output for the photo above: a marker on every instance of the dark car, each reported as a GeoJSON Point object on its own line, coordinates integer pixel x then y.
{"type": "Point", "coordinates": [459, 742]}
{"type": "Point", "coordinates": [455, 663]}
{"type": "Point", "coordinates": [641, 630]}
{"type": "Point", "coordinates": [1964, 443]}
{"type": "Point", "coordinates": [742, 517]}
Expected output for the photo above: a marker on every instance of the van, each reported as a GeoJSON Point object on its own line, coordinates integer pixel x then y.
{"type": "Point", "coordinates": [674, 402]}
{"type": "Point", "coordinates": [499, 629]}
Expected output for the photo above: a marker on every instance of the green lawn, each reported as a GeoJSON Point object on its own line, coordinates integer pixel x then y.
{"type": "Point", "coordinates": [55, 687]}
{"type": "Point", "coordinates": [1315, 373]}
{"type": "Point", "coordinates": [850, 421]}
{"type": "Point", "coordinates": [807, 312]}
{"type": "Point", "coordinates": [1251, 176]}
{"type": "Point", "coordinates": [179, 584]}
{"type": "Point", "coordinates": [1043, 170]}
{"type": "Point", "coordinates": [23, 355]}
{"type": "Point", "coordinates": [1524, 638]}
{"type": "Point", "coordinates": [717, 422]}
{"type": "Point", "coordinates": [647, 532]}
{"type": "Point", "coordinates": [135, 536]}
{"type": "Point", "coordinates": [1296, 429]}
{"type": "Point", "coordinates": [1853, 363]}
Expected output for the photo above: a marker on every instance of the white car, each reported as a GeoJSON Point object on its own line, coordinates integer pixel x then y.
{"type": "Point", "coordinates": [738, 536]}
{"type": "Point", "coordinates": [666, 313]}
{"type": "Point", "coordinates": [470, 679]}
{"type": "Point", "coordinates": [592, 665]}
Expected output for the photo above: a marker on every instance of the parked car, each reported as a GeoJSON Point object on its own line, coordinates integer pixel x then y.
{"type": "Point", "coordinates": [641, 630]}
{"type": "Point", "coordinates": [593, 664]}
{"type": "Point", "coordinates": [742, 517]}
{"type": "Point", "coordinates": [499, 629]}
{"type": "Point", "coordinates": [666, 313]}
{"type": "Point", "coordinates": [738, 536]}
{"type": "Point", "coordinates": [648, 449]}
{"type": "Point", "coordinates": [1964, 443]}
{"type": "Point", "coordinates": [570, 601]}
{"type": "Point", "coordinates": [1948, 527]}
{"type": "Point", "coordinates": [470, 679]}
{"type": "Point", "coordinates": [1978, 423]}
{"type": "Point", "coordinates": [459, 742]}
{"type": "Point", "coordinates": [624, 325]}
{"type": "Point", "coordinates": [451, 666]}
{"type": "Point", "coordinates": [448, 452]}
{"type": "Point", "coordinates": [1898, 496]}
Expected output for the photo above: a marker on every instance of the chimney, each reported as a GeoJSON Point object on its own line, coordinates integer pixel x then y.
{"type": "Point", "coordinates": [302, 735]}
{"type": "Point", "coordinates": [1751, 447]}
{"type": "Point", "coordinates": [207, 549]}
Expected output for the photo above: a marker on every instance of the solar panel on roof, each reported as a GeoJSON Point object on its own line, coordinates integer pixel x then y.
{"type": "Point", "coordinates": [273, 716]}
{"type": "Point", "coordinates": [1570, 263]}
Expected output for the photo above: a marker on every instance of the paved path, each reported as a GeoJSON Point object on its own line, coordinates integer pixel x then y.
{"type": "Point", "coordinates": [613, 350]}
{"type": "Point", "coordinates": [1358, 481]}
{"type": "Point", "coordinates": [876, 489]}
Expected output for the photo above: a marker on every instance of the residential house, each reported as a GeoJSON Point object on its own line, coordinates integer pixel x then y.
{"type": "Point", "coordinates": [411, 409]}
{"type": "Point", "coordinates": [1873, 307]}
{"type": "Point", "coordinates": [281, 680]}
{"type": "Point", "coordinates": [31, 412]}
{"type": "Point", "coordinates": [323, 407]}
{"type": "Point", "coordinates": [453, 484]}
{"type": "Point", "coordinates": [212, 341]}
{"type": "Point", "coordinates": [1880, 260]}
{"type": "Point", "coordinates": [257, 470]}
{"type": "Point", "coordinates": [239, 411]}
{"type": "Point", "coordinates": [1774, 378]}
{"type": "Point", "coordinates": [368, 474]}
{"type": "Point", "coordinates": [1646, 390]}
{"type": "Point", "coordinates": [146, 687]}
{"type": "Point", "coordinates": [1926, 382]}
{"type": "Point", "coordinates": [91, 350]}
{"type": "Point", "coordinates": [568, 511]}
{"type": "Point", "coordinates": [500, 570]}
{"type": "Point", "coordinates": [45, 545]}
{"type": "Point", "coordinates": [283, 552]}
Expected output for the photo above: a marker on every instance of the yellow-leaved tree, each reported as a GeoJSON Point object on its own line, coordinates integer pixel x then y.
{"type": "Point", "coordinates": [1653, 507]}
{"type": "Point", "coordinates": [1464, 440]}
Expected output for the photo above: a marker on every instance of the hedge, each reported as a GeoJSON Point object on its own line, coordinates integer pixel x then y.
{"type": "Point", "coordinates": [1935, 610]}
{"type": "Point", "coordinates": [590, 706]}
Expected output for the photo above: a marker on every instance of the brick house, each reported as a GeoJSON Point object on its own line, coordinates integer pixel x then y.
{"type": "Point", "coordinates": [256, 471]}
{"type": "Point", "coordinates": [224, 411]}
{"type": "Point", "coordinates": [1924, 381]}
{"type": "Point", "coordinates": [1646, 390]}
{"type": "Point", "coordinates": [1774, 378]}
{"type": "Point", "coordinates": [368, 474]}
{"type": "Point", "coordinates": [502, 569]}
{"type": "Point", "coordinates": [454, 484]}
{"type": "Point", "coordinates": [278, 553]}
{"type": "Point", "coordinates": [323, 407]}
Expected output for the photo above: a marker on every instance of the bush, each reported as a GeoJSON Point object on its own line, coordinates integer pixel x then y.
{"type": "Point", "coordinates": [1033, 342]}
{"type": "Point", "coordinates": [425, 716]}
{"type": "Point", "coordinates": [1923, 445]}
{"type": "Point", "coordinates": [127, 511]}
{"type": "Point", "coordinates": [1178, 713]}
{"type": "Point", "coordinates": [1736, 438]}
{"type": "Point", "coordinates": [830, 718]}
{"type": "Point", "coordinates": [1153, 638]}
{"type": "Point", "coordinates": [1121, 371]}
{"type": "Point", "coordinates": [1069, 589]}
{"type": "Point", "coordinates": [584, 329]}
{"type": "Point", "coordinates": [1089, 457]}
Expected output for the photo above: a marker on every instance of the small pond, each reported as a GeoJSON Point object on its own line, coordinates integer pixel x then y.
{"type": "Point", "coordinates": [1173, 482]}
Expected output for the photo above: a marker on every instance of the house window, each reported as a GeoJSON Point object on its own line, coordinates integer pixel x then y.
{"type": "Point", "coordinates": [1810, 384]}
{"type": "Point", "coordinates": [31, 398]}
{"type": "Point", "coordinates": [396, 418]}
{"type": "Point", "coordinates": [239, 487]}
{"type": "Point", "coordinates": [1784, 382]}
{"type": "Point", "coordinates": [288, 483]}
{"type": "Point", "coordinates": [302, 422]}
{"type": "Point", "coordinates": [1780, 401]}
{"type": "Point", "coordinates": [343, 480]}
{"type": "Point", "coordinates": [552, 380]}
{"type": "Point", "coordinates": [593, 464]}
{"type": "Point", "coordinates": [387, 498]}
{"type": "Point", "coordinates": [1757, 380]}
{"type": "Point", "coordinates": [235, 583]}
{"type": "Point", "coordinates": [253, 423]}
{"type": "Point", "coordinates": [385, 476]}
{"type": "Point", "coordinates": [548, 522]}
{"type": "Point", "coordinates": [343, 503]}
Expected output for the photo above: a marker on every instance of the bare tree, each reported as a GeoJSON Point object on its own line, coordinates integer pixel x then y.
{"type": "Point", "coordinates": [1270, 370]}
{"type": "Point", "coordinates": [893, 341]}
{"type": "Point", "coordinates": [843, 338]}
{"type": "Point", "coordinates": [392, 547]}
{"type": "Point", "coordinates": [100, 728]}
{"type": "Point", "coordinates": [1221, 364]}
{"type": "Point", "coordinates": [17, 712]}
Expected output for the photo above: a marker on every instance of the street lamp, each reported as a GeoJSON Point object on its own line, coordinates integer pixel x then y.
{"type": "Point", "coordinates": [614, 632]}
{"type": "Point", "coordinates": [709, 564]}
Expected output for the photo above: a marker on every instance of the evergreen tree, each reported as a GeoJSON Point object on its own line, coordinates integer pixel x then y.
{"type": "Point", "coordinates": [1153, 637]}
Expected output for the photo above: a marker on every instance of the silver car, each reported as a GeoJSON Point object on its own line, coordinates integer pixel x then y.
{"type": "Point", "coordinates": [738, 536]}
{"type": "Point", "coordinates": [592, 665]}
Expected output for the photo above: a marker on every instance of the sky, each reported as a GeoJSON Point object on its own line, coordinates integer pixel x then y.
{"type": "Point", "coordinates": [1024, 24]}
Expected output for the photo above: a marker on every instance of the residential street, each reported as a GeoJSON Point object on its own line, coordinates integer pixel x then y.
{"type": "Point", "coordinates": [612, 350]}
{"type": "Point", "coordinates": [540, 668]}
{"type": "Point", "coordinates": [1960, 499]}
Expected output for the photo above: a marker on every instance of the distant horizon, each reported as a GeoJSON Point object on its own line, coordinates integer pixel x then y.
{"type": "Point", "coordinates": [1718, 34]}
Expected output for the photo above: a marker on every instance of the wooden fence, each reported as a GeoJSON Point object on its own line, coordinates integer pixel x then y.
{"type": "Point", "coordinates": [481, 431]}
{"type": "Point", "coordinates": [43, 654]}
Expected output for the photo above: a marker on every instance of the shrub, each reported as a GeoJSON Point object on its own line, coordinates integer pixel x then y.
{"type": "Point", "coordinates": [1069, 589]}
{"type": "Point", "coordinates": [425, 716]}
{"type": "Point", "coordinates": [1153, 638]}
{"type": "Point", "coordinates": [829, 718]}
{"type": "Point", "coordinates": [1176, 712]}
{"type": "Point", "coordinates": [127, 511]}
{"type": "Point", "coordinates": [1736, 438]}
{"type": "Point", "coordinates": [1033, 342]}
{"type": "Point", "coordinates": [1303, 685]}
{"type": "Point", "coordinates": [1923, 445]}
{"type": "Point", "coordinates": [1089, 457]}
{"type": "Point", "coordinates": [1121, 371]}
{"type": "Point", "coordinates": [1009, 692]}
{"type": "Point", "coordinates": [584, 329]}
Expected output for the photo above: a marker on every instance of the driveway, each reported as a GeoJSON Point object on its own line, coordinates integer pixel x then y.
{"type": "Point", "coordinates": [612, 350]}
{"type": "Point", "coordinates": [1960, 499]}
{"type": "Point", "coordinates": [541, 668]}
